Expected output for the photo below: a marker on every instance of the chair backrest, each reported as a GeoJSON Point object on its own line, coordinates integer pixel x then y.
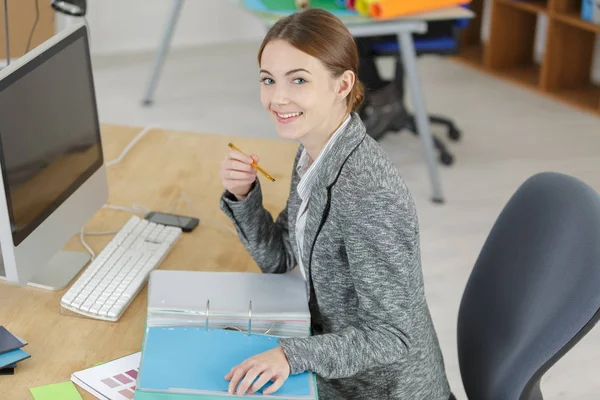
{"type": "Point", "coordinates": [534, 291]}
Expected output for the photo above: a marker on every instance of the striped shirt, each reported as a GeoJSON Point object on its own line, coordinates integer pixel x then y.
{"type": "Point", "coordinates": [307, 170]}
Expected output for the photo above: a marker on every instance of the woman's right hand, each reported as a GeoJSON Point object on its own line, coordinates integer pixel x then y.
{"type": "Point", "coordinates": [237, 174]}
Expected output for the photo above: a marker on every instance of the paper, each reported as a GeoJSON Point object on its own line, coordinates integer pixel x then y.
{"type": "Point", "coordinates": [56, 391]}
{"type": "Point", "coordinates": [193, 360]}
{"type": "Point", "coordinates": [114, 379]}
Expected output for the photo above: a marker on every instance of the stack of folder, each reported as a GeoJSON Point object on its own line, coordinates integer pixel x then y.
{"type": "Point", "coordinates": [10, 351]}
{"type": "Point", "coordinates": [202, 324]}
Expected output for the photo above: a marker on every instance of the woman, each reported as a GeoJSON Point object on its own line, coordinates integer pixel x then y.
{"type": "Point", "coordinates": [349, 224]}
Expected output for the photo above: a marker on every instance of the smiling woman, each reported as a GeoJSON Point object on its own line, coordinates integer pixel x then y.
{"type": "Point", "coordinates": [350, 226]}
{"type": "Point", "coordinates": [309, 67]}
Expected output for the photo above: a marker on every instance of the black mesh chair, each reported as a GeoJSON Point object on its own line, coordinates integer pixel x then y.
{"type": "Point", "coordinates": [534, 291]}
{"type": "Point", "coordinates": [441, 39]}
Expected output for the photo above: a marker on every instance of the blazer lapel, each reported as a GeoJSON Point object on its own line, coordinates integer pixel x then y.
{"type": "Point", "coordinates": [320, 197]}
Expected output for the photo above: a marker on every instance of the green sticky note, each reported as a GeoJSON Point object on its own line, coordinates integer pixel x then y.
{"type": "Point", "coordinates": [56, 391]}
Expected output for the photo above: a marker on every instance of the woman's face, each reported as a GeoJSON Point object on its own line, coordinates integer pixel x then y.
{"type": "Point", "coordinates": [298, 91]}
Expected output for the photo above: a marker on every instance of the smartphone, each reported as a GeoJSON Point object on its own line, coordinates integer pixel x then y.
{"type": "Point", "coordinates": [187, 224]}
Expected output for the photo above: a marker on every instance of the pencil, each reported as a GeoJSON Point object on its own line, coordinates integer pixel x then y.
{"type": "Point", "coordinates": [254, 164]}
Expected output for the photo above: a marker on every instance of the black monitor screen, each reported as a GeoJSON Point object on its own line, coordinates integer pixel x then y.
{"type": "Point", "coordinates": [49, 133]}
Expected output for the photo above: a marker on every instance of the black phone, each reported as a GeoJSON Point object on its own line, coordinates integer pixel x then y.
{"type": "Point", "coordinates": [187, 224]}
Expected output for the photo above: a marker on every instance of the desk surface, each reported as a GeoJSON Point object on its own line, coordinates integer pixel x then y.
{"type": "Point", "coordinates": [154, 172]}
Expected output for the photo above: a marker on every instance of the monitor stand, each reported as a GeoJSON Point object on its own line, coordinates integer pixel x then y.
{"type": "Point", "coordinates": [60, 270]}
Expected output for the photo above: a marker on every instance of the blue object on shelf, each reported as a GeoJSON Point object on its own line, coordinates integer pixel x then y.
{"type": "Point", "coordinates": [259, 6]}
{"type": "Point", "coordinates": [442, 43]}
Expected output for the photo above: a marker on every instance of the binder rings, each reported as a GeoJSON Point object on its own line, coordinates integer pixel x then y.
{"type": "Point", "coordinates": [201, 324]}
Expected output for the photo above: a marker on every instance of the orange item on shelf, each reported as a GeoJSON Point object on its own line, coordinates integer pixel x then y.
{"type": "Point", "coordinates": [363, 6]}
{"type": "Point", "coordinates": [385, 9]}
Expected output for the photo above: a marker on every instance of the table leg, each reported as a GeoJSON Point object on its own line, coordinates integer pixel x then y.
{"type": "Point", "coordinates": [159, 60]}
{"type": "Point", "coordinates": [409, 57]}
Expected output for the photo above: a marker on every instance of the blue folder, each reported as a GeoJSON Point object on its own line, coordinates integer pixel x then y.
{"type": "Point", "coordinates": [192, 360]}
{"type": "Point", "coordinates": [11, 357]}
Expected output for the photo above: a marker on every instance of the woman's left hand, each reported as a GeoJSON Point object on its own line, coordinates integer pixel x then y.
{"type": "Point", "coordinates": [272, 365]}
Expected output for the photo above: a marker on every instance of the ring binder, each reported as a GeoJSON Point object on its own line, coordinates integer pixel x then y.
{"type": "Point", "coordinates": [250, 318]}
{"type": "Point", "coordinates": [253, 305]}
{"type": "Point", "coordinates": [233, 328]}
{"type": "Point", "coordinates": [207, 310]}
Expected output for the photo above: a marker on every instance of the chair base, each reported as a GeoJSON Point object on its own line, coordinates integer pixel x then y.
{"type": "Point", "coordinates": [407, 120]}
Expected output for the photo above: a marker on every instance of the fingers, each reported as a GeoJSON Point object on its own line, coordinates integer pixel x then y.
{"type": "Point", "coordinates": [275, 386]}
{"type": "Point", "coordinates": [251, 375]}
{"type": "Point", "coordinates": [236, 374]}
{"type": "Point", "coordinates": [261, 381]}
{"type": "Point", "coordinates": [236, 165]}
{"type": "Point", "coordinates": [236, 155]}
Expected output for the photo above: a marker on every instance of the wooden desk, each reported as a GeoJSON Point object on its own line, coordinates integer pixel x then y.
{"type": "Point", "coordinates": [154, 172]}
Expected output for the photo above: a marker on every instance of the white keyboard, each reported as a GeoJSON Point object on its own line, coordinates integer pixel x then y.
{"type": "Point", "coordinates": [116, 275]}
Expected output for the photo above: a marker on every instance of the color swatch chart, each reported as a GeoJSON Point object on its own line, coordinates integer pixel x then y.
{"type": "Point", "coordinates": [123, 383]}
{"type": "Point", "coordinates": [114, 380]}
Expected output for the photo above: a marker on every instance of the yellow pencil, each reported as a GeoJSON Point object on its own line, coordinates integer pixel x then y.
{"type": "Point", "coordinates": [254, 164]}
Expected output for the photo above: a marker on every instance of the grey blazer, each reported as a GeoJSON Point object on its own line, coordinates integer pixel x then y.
{"type": "Point", "coordinates": [373, 337]}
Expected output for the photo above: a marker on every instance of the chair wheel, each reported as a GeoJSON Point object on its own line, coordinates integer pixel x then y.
{"type": "Point", "coordinates": [446, 158]}
{"type": "Point", "coordinates": [454, 134]}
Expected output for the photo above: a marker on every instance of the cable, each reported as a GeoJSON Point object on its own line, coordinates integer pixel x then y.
{"type": "Point", "coordinates": [102, 233]}
{"type": "Point", "coordinates": [86, 245]}
{"type": "Point", "coordinates": [144, 210]}
{"type": "Point", "coordinates": [37, 18]}
{"type": "Point", "coordinates": [129, 146]}
{"type": "Point", "coordinates": [136, 209]}
{"type": "Point", "coordinates": [6, 32]}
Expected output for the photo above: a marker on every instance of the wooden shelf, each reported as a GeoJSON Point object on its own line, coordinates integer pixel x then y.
{"type": "Point", "coordinates": [528, 75]}
{"type": "Point", "coordinates": [587, 97]}
{"type": "Point", "coordinates": [565, 71]}
{"type": "Point", "coordinates": [534, 6]}
{"type": "Point", "coordinates": [573, 18]}
{"type": "Point", "coordinates": [472, 54]}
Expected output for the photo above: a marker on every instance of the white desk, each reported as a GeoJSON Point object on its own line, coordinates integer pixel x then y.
{"type": "Point", "coordinates": [404, 27]}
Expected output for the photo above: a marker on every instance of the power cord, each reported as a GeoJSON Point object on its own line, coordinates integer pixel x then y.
{"type": "Point", "coordinates": [137, 209]}
{"type": "Point", "coordinates": [6, 37]}
{"type": "Point", "coordinates": [129, 146]}
{"type": "Point", "coordinates": [37, 18]}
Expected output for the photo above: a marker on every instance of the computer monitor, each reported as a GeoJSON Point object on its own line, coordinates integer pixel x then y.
{"type": "Point", "coordinates": [53, 175]}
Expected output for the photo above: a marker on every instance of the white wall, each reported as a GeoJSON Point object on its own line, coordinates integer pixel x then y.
{"type": "Point", "coordinates": [119, 26]}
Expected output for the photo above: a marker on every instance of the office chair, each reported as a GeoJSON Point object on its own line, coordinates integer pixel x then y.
{"type": "Point", "coordinates": [534, 291]}
{"type": "Point", "coordinates": [442, 38]}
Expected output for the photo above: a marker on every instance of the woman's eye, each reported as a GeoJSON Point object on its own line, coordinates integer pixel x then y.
{"type": "Point", "coordinates": [299, 80]}
{"type": "Point", "coordinates": [267, 81]}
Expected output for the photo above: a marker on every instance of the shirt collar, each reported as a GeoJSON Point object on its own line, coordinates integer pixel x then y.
{"type": "Point", "coordinates": [308, 171]}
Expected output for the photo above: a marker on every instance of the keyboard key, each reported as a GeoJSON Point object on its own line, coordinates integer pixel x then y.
{"type": "Point", "coordinates": [108, 285]}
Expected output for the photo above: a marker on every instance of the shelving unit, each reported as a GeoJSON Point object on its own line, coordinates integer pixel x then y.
{"type": "Point", "coordinates": [566, 68]}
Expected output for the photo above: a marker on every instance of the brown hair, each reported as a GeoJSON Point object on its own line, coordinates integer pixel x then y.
{"type": "Point", "coordinates": [322, 35]}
